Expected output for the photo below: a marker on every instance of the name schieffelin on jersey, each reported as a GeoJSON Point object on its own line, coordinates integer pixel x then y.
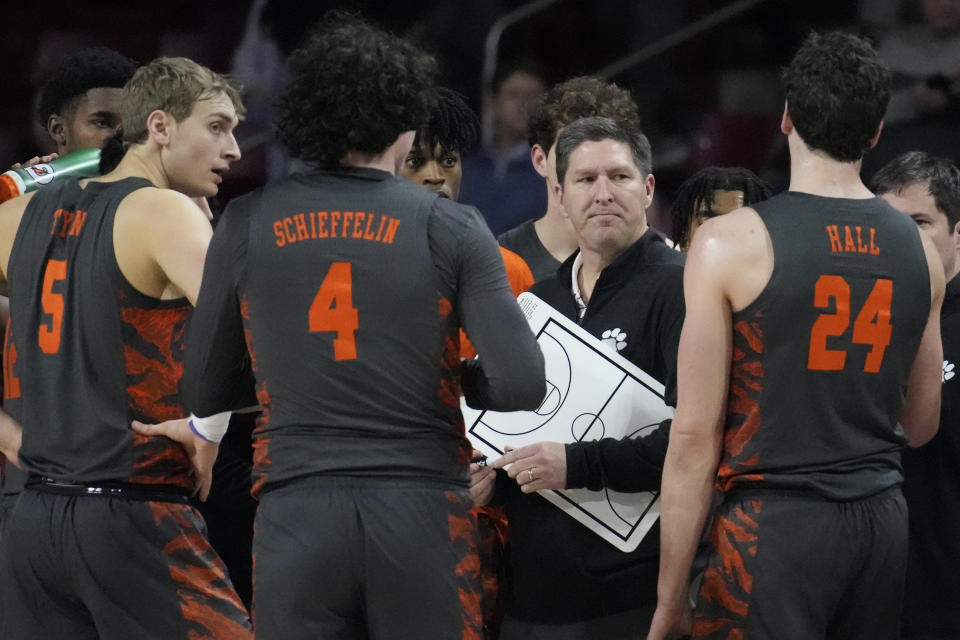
{"type": "Point", "coordinates": [316, 225]}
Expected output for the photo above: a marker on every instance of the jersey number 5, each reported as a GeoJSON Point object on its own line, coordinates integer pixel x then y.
{"type": "Point", "coordinates": [333, 310]}
{"type": "Point", "coordinates": [52, 304]}
{"type": "Point", "coordinates": [872, 326]}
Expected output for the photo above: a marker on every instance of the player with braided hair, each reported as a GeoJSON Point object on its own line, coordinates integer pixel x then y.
{"type": "Point", "coordinates": [712, 192]}
{"type": "Point", "coordinates": [434, 163]}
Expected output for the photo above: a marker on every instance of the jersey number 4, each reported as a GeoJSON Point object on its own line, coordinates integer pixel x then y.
{"type": "Point", "coordinates": [332, 310]}
{"type": "Point", "coordinates": [53, 305]}
{"type": "Point", "coordinates": [872, 326]}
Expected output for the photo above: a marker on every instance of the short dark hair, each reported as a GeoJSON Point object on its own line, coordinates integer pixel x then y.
{"type": "Point", "coordinates": [577, 98]}
{"type": "Point", "coordinates": [595, 129]}
{"type": "Point", "coordinates": [941, 176]}
{"type": "Point", "coordinates": [837, 89]}
{"type": "Point", "coordinates": [94, 68]}
{"type": "Point", "coordinates": [353, 87]}
{"type": "Point", "coordinates": [698, 189]}
{"type": "Point", "coordinates": [453, 124]}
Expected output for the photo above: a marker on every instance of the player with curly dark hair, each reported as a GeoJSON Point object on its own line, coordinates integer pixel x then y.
{"type": "Point", "coordinates": [712, 192]}
{"type": "Point", "coordinates": [810, 355]}
{"type": "Point", "coordinates": [79, 103]}
{"type": "Point", "coordinates": [548, 241]}
{"type": "Point", "coordinates": [836, 96]}
{"type": "Point", "coordinates": [336, 105]}
{"type": "Point", "coordinates": [349, 286]}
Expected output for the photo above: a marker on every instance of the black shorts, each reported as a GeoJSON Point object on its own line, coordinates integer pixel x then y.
{"type": "Point", "coordinates": [113, 568]}
{"type": "Point", "coordinates": [342, 558]}
{"type": "Point", "coordinates": [6, 506]}
{"type": "Point", "coordinates": [800, 567]}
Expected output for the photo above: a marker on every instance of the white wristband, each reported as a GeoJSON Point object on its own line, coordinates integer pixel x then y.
{"type": "Point", "coordinates": [211, 428]}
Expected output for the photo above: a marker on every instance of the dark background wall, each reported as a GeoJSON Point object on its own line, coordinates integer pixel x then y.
{"type": "Point", "coordinates": [714, 99]}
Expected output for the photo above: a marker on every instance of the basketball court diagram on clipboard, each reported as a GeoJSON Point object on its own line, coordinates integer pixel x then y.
{"type": "Point", "coordinates": [592, 393]}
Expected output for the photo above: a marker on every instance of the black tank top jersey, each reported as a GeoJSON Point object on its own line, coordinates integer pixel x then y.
{"type": "Point", "coordinates": [820, 358]}
{"type": "Point", "coordinates": [88, 353]}
{"type": "Point", "coordinates": [355, 352]}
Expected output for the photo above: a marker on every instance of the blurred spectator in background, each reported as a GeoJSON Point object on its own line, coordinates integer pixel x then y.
{"type": "Point", "coordinates": [924, 111]}
{"type": "Point", "coordinates": [498, 178]}
{"type": "Point", "coordinates": [925, 59]}
{"type": "Point", "coordinates": [259, 65]}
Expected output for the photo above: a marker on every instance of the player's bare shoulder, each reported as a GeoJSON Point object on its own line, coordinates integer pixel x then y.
{"type": "Point", "coordinates": [737, 250]}
{"type": "Point", "coordinates": [151, 213]}
{"type": "Point", "coordinates": [737, 236]}
{"type": "Point", "coordinates": [11, 212]}
{"type": "Point", "coordinates": [155, 205]}
{"type": "Point", "coordinates": [157, 234]}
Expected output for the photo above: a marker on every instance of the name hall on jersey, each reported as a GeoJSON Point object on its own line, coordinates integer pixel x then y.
{"type": "Point", "coordinates": [373, 227]}
{"type": "Point", "coordinates": [844, 239]}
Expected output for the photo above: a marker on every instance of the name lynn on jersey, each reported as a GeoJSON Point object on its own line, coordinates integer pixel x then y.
{"type": "Point", "coordinates": [314, 225]}
{"type": "Point", "coordinates": [847, 243]}
{"type": "Point", "coordinates": [67, 223]}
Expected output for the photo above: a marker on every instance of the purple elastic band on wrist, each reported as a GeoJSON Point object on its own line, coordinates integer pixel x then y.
{"type": "Point", "coordinates": [194, 429]}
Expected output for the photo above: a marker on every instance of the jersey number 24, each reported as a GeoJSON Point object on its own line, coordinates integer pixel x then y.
{"type": "Point", "coordinates": [872, 326]}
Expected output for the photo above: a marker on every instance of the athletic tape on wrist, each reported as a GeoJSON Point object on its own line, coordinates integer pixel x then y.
{"type": "Point", "coordinates": [211, 428]}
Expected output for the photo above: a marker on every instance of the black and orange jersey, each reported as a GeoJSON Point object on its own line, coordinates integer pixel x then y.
{"type": "Point", "coordinates": [348, 289]}
{"type": "Point", "coordinates": [821, 356]}
{"type": "Point", "coordinates": [87, 352]}
{"type": "Point", "coordinates": [12, 478]}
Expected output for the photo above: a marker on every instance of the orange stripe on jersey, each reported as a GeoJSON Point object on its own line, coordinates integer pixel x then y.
{"type": "Point", "coordinates": [743, 409]}
{"type": "Point", "coordinates": [207, 599]}
{"type": "Point", "coordinates": [261, 440]}
{"type": "Point", "coordinates": [11, 383]}
{"type": "Point", "coordinates": [153, 360]}
{"type": "Point", "coordinates": [463, 527]}
{"type": "Point", "coordinates": [153, 355]}
{"type": "Point", "coordinates": [728, 581]}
